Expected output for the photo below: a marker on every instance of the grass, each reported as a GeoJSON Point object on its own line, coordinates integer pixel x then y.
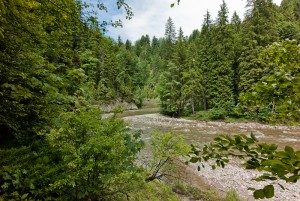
{"type": "Point", "coordinates": [157, 191]}
{"type": "Point", "coordinates": [153, 191]}
{"type": "Point", "coordinates": [208, 195]}
{"type": "Point", "coordinates": [232, 195]}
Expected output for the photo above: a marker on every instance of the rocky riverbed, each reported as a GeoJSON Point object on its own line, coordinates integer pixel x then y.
{"type": "Point", "coordinates": [233, 176]}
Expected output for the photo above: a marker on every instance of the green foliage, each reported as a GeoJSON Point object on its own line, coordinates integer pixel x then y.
{"type": "Point", "coordinates": [139, 97]}
{"type": "Point", "coordinates": [54, 59]}
{"type": "Point", "coordinates": [83, 158]}
{"type": "Point", "coordinates": [32, 83]}
{"type": "Point", "coordinates": [28, 171]}
{"type": "Point", "coordinates": [217, 113]}
{"type": "Point", "coordinates": [169, 90]}
{"type": "Point", "coordinates": [279, 89]}
{"type": "Point", "coordinates": [222, 111]}
{"type": "Point", "coordinates": [283, 165]}
{"type": "Point", "coordinates": [165, 149]}
{"type": "Point", "coordinates": [51, 51]}
{"type": "Point", "coordinates": [205, 195]}
{"type": "Point", "coordinates": [153, 191]}
{"type": "Point", "coordinates": [257, 31]}
{"type": "Point", "coordinates": [232, 195]}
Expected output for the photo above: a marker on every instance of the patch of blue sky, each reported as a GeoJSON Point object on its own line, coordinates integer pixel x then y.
{"type": "Point", "coordinates": [150, 16]}
{"type": "Point", "coordinates": [107, 15]}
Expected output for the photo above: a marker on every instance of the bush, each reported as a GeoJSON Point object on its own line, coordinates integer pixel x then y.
{"type": "Point", "coordinates": [207, 195]}
{"type": "Point", "coordinates": [222, 110]}
{"type": "Point", "coordinates": [82, 158]}
{"type": "Point", "coordinates": [261, 114]}
{"type": "Point", "coordinates": [139, 97]}
{"type": "Point", "coordinates": [153, 191]}
{"type": "Point", "coordinates": [217, 113]}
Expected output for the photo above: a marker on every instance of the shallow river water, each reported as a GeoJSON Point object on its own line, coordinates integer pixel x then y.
{"type": "Point", "coordinates": [201, 132]}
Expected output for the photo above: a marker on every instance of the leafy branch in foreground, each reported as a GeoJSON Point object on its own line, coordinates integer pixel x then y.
{"type": "Point", "coordinates": [284, 165]}
{"type": "Point", "coordinates": [166, 148]}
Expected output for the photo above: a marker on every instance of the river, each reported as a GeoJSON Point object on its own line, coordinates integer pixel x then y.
{"type": "Point", "coordinates": [200, 132]}
{"type": "Point", "coordinates": [148, 119]}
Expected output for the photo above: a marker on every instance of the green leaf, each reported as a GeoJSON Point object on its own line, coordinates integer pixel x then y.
{"type": "Point", "coordinates": [265, 177]}
{"type": "Point", "coordinates": [24, 196]}
{"type": "Point", "coordinates": [253, 137]}
{"type": "Point", "coordinates": [273, 147]}
{"type": "Point", "coordinates": [237, 139]}
{"type": "Point", "coordinates": [293, 179]}
{"type": "Point", "coordinates": [282, 154]}
{"type": "Point", "coordinates": [259, 194]}
{"type": "Point", "coordinates": [172, 5]}
{"type": "Point", "coordinates": [194, 160]}
{"type": "Point", "coordinates": [281, 186]}
{"type": "Point", "coordinates": [269, 191]}
{"type": "Point", "coordinates": [222, 164]}
{"type": "Point", "coordinates": [290, 151]}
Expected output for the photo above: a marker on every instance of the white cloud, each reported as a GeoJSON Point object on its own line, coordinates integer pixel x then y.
{"type": "Point", "coordinates": [150, 16]}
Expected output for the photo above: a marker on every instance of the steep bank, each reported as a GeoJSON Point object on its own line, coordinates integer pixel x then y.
{"type": "Point", "coordinates": [108, 108]}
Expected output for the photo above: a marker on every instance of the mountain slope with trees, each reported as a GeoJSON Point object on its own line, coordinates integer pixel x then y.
{"type": "Point", "coordinates": [57, 68]}
{"type": "Point", "coordinates": [216, 66]}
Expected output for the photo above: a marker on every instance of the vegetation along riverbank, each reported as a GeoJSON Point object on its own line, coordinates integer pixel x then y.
{"type": "Point", "coordinates": [60, 72]}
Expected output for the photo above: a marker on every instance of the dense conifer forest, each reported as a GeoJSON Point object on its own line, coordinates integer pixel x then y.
{"type": "Point", "coordinates": [57, 68]}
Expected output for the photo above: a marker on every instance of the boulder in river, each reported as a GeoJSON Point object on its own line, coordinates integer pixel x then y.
{"type": "Point", "coordinates": [125, 105]}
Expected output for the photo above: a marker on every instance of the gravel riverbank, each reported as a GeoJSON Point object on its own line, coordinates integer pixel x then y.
{"type": "Point", "coordinates": [233, 176]}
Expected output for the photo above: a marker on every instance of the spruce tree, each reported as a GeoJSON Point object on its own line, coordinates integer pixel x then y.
{"type": "Point", "coordinates": [170, 31]}
{"type": "Point", "coordinates": [204, 43]}
{"type": "Point", "coordinates": [221, 73]}
{"type": "Point", "coordinates": [258, 30]}
{"type": "Point", "coordinates": [235, 26]}
{"type": "Point", "coordinates": [289, 27]}
{"type": "Point", "coordinates": [192, 78]}
{"type": "Point", "coordinates": [169, 39]}
{"type": "Point", "coordinates": [222, 15]}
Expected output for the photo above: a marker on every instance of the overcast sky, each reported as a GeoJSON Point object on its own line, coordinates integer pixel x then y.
{"type": "Point", "coordinates": [150, 16]}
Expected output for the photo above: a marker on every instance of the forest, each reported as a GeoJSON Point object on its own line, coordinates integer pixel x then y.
{"type": "Point", "coordinates": [57, 68]}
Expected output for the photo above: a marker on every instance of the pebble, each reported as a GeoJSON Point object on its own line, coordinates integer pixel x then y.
{"type": "Point", "coordinates": [234, 176]}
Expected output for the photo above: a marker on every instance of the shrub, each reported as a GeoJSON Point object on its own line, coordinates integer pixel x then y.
{"type": "Point", "coordinates": [82, 158]}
